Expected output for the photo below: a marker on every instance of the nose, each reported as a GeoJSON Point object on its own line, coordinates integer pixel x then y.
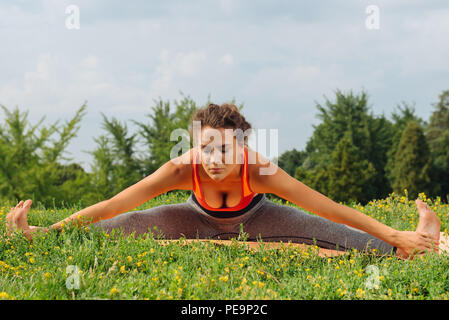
{"type": "Point", "coordinates": [215, 157]}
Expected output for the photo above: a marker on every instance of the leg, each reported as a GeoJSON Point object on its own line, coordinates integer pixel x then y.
{"type": "Point", "coordinates": [172, 221]}
{"type": "Point", "coordinates": [274, 222]}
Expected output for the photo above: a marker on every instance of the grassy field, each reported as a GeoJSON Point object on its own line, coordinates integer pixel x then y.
{"type": "Point", "coordinates": [81, 264]}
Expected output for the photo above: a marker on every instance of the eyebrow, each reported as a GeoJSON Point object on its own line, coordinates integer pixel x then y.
{"type": "Point", "coordinates": [223, 145]}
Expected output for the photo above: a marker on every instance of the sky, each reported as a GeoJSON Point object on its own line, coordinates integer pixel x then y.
{"type": "Point", "coordinates": [279, 58]}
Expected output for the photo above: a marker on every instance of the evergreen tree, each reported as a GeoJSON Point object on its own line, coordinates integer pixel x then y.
{"type": "Point", "coordinates": [102, 177]}
{"type": "Point", "coordinates": [317, 179]}
{"type": "Point", "coordinates": [349, 174]}
{"type": "Point", "coordinates": [157, 133]}
{"type": "Point", "coordinates": [412, 169]}
{"type": "Point", "coordinates": [290, 160]}
{"type": "Point", "coordinates": [401, 118]}
{"type": "Point", "coordinates": [350, 115]}
{"type": "Point", "coordinates": [437, 134]}
{"type": "Point", "coordinates": [29, 166]}
{"type": "Point", "coordinates": [439, 120]}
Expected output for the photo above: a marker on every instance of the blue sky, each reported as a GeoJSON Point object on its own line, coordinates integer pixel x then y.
{"type": "Point", "coordinates": [277, 57]}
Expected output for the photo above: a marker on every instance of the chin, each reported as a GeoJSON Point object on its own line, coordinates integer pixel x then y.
{"type": "Point", "coordinates": [217, 177]}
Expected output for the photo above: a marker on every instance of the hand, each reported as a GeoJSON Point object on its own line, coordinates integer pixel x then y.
{"type": "Point", "coordinates": [411, 243]}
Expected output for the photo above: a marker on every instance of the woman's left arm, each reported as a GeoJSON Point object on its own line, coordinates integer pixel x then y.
{"type": "Point", "coordinates": [283, 185]}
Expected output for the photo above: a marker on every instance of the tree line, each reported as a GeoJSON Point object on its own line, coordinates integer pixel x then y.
{"type": "Point", "coordinates": [352, 154]}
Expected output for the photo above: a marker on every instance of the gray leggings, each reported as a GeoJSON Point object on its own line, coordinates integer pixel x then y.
{"type": "Point", "coordinates": [266, 220]}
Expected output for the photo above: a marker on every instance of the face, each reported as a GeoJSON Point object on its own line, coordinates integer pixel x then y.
{"type": "Point", "coordinates": [220, 152]}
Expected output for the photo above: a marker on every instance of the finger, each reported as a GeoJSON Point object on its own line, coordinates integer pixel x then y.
{"type": "Point", "coordinates": [427, 245]}
{"type": "Point", "coordinates": [423, 246]}
{"type": "Point", "coordinates": [432, 240]}
{"type": "Point", "coordinates": [425, 235]}
{"type": "Point", "coordinates": [435, 246]}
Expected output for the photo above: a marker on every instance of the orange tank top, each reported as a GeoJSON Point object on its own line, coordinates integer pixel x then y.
{"type": "Point", "coordinates": [246, 192]}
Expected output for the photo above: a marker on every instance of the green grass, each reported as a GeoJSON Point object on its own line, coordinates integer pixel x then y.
{"type": "Point", "coordinates": [119, 267]}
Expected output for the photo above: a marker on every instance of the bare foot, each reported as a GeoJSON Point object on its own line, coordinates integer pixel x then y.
{"type": "Point", "coordinates": [17, 218]}
{"type": "Point", "coordinates": [428, 221]}
{"type": "Point", "coordinates": [428, 226]}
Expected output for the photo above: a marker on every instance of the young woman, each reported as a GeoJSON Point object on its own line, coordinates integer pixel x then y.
{"type": "Point", "coordinates": [229, 193]}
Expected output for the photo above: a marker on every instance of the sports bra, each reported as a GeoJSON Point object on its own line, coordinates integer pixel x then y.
{"type": "Point", "coordinates": [246, 192]}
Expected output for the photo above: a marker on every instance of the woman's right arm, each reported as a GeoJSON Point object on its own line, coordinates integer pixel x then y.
{"type": "Point", "coordinates": [170, 176]}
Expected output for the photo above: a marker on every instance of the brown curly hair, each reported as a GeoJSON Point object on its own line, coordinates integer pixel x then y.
{"type": "Point", "coordinates": [225, 116]}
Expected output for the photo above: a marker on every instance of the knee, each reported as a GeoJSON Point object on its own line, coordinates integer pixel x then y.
{"type": "Point", "coordinates": [125, 221]}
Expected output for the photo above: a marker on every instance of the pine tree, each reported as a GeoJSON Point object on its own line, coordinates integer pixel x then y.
{"type": "Point", "coordinates": [439, 121]}
{"type": "Point", "coordinates": [412, 169]}
{"type": "Point", "coordinates": [372, 135]}
{"type": "Point", "coordinates": [437, 134]}
{"type": "Point", "coordinates": [350, 174]}
{"type": "Point", "coordinates": [156, 135]}
{"type": "Point", "coordinates": [441, 165]}
{"type": "Point", "coordinates": [29, 165]}
{"type": "Point", "coordinates": [401, 118]}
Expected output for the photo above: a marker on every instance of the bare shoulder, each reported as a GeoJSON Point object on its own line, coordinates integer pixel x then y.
{"type": "Point", "coordinates": [260, 169]}
{"type": "Point", "coordinates": [181, 167]}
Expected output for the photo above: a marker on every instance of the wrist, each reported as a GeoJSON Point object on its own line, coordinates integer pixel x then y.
{"type": "Point", "coordinates": [396, 237]}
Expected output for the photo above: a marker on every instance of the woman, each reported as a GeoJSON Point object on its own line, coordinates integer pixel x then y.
{"type": "Point", "coordinates": [229, 194]}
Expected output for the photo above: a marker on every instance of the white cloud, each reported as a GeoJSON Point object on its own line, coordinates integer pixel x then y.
{"type": "Point", "coordinates": [90, 62]}
{"type": "Point", "coordinates": [227, 6]}
{"type": "Point", "coordinates": [274, 55]}
{"type": "Point", "coordinates": [177, 69]}
{"type": "Point", "coordinates": [227, 59]}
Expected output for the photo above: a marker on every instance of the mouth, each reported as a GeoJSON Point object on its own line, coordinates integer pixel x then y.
{"type": "Point", "coordinates": [215, 169]}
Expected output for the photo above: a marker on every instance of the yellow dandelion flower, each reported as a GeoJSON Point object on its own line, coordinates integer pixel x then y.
{"type": "Point", "coordinates": [113, 291]}
{"type": "Point", "coordinates": [4, 295]}
{"type": "Point", "coordinates": [359, 292]}
{"type": "Point", "coordinates": [223, 278]}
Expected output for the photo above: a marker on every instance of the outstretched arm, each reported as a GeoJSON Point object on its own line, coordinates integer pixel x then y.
{"type": "Point", "coordinates": [291, 189]}
{"type": "Point", "coordinates": [172, 175]}
{"type": "Point", "coordinates": [166, 178]}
